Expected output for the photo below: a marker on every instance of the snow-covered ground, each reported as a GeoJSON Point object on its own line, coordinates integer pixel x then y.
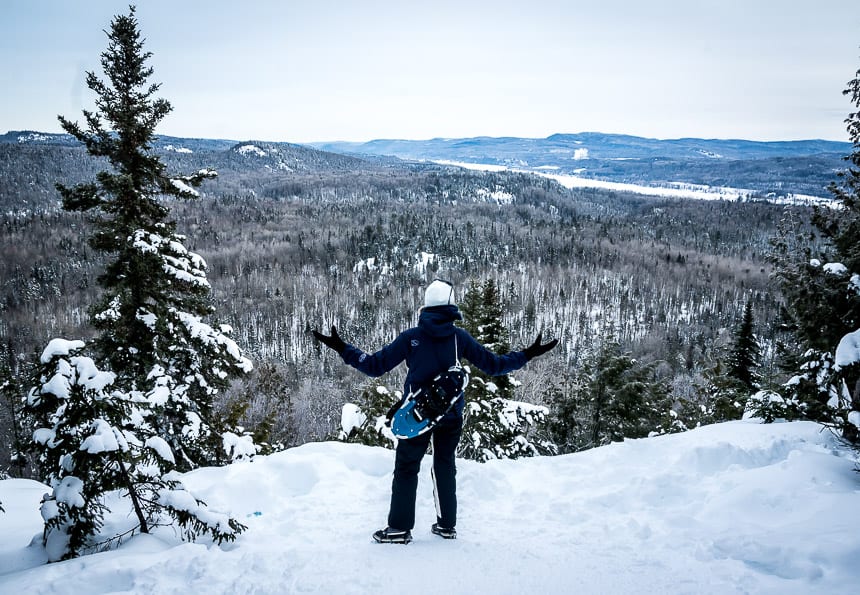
{"type": "Point", "coordinates": [673, 190]}
{"type": "Point", "coordinates": [738, 507]}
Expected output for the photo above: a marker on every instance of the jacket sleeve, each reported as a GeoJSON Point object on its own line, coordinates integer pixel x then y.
{"type": "Point", "coordinates": [377, 364]}
{"type": "Point", "coordinates": [487, 361]}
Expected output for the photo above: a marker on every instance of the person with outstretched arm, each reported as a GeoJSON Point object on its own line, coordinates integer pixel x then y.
{"type": "Point", "coordinates": [430, 348]}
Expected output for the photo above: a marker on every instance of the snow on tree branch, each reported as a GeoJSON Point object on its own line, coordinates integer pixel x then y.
{"type": "Point", "coordinates": [239, 448]}
{"type": "Point", "coordinates": [211, 337]}
{"type": "Point", "coordinates": [178, 262]}
{"type": "Point", "coordinates": [59, 347]}
{"type": "Point", "coordinates": [105, 438]}
{"type": "Point", "coordinates": [848, 350]}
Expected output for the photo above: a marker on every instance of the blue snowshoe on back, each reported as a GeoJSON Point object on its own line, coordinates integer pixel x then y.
{"type": "Point", "coordinates": [422, 409]}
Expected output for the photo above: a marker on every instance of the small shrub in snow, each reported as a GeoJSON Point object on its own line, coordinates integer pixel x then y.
{"type": "Point", "coordinates": [498, 428]}
{"type": "Point", "coordinates": [365, 423]}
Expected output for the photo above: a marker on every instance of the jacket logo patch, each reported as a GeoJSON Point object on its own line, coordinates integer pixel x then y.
{"type": "Point", "coordinates": [414, 342]}
{"type": "Point", "coordinates": [362, 357]}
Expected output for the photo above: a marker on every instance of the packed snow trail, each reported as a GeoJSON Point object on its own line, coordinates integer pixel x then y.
{"type": "Point", "coordinates": [731, 508]}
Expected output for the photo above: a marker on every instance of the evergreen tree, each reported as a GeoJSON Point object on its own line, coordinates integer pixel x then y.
{"type": "Point", "coordinates": [163, 363]}
{"type": "Point", "coordinates": [821, 286]}
{"type": "Point", "coordinates": [495, 425]}
{"type": "Point", "coordinates": [151, 316]}
{"type": "Point", "coordinates": [733, 378]}
{"type": "Point", "coordinates": [608, 398]}
{"type": "Point", "coordinates": [723, 395]}
{"type": "Point", "coordinates": [770, 406]}
{"type": "Point", "coordinates": [499, 428]}
{"type": "Point", "coordinates": [745, 355]}
{"type": "Point", "coordinates": [87, 448]}
{"type": "Point", "coordinates": [491, 330]}
{"type": "Point", "coordinates": [482, 316]}
{"type": "Point", "coordinates": [470, 306]}
{"type": "Point", "coordinates": [82, 452]}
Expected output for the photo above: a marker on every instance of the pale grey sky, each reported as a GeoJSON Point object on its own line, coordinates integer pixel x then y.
{"type": "Point", "coordinates": [314, 70]}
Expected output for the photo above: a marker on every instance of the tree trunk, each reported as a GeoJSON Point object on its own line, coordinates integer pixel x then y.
{"type": "Point", "coordinates": [849, 431]}
{"type": "Point", "coordinates": [144, 527]}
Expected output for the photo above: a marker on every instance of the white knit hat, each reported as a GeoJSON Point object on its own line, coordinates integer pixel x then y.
{"type": "Point", "coordinates": [439, 293]}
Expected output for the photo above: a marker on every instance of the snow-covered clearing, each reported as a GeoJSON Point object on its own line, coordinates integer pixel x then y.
{"type": "Point", "coordinates": [731, 508]}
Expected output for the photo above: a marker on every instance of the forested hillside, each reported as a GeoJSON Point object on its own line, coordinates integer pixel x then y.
{"type": "Point", "coordinates": [312, 243]}
{"type": "Point", "coordinates": [30, 167]}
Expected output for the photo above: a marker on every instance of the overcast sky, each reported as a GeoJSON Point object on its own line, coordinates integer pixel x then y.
{"type": "Point", "coordinates": [314, 70]}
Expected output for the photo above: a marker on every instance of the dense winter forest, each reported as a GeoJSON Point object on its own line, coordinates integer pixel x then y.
{"type": "Point", "coordinates": [667, 278]}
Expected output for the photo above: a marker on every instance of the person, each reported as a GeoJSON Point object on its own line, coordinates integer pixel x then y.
{"type": "Point", "coordinates": [429, 349]}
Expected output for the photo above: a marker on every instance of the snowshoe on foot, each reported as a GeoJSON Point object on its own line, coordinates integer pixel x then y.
{"type": "Point", "coordinates": [389, 535]}
{"type": "Point", "coordinates": [443, 532]}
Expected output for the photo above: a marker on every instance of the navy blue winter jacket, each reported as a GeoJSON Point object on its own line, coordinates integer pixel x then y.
{"type": "Point", "coordinates": [429, 349]}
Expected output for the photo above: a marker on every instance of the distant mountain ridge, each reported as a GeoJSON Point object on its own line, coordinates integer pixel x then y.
{"type": "Point", "coordinates": [32, 162]}
{"type": "Point", "coordinates": [559, 149]}
{"type": "Point", "coordinates": [763, 169]}
{"type": "Point", "coordinates": [282, 155]}
{"type": "Point", "coordinates": [33, 137]}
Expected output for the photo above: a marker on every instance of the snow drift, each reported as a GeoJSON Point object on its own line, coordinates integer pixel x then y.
{"type": "Point", "coordinates": [738, 507]}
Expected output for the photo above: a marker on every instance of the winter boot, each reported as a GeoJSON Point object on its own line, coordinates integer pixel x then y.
{"type": "Point", "coordinates": [443, 532]}
{"type": "Point", "coordinates": [389, 535]}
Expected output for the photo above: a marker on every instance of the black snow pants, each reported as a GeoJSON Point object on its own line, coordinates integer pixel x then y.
{"type": "Point", "coordinates": [407, 464]}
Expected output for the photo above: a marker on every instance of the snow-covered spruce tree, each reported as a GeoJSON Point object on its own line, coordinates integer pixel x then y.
{"type": "Point", "coordinates": [86, 449]}
{"type": "Point", "coordinates": [152, 315]}
{"type": "Point", "coordinates": [495, 425]}
{"type": "Point", "coordinates": [498, 428]}
{"type": "Point", "coordinates": [821, 286]}
{"type": "Point", "coordinates": [164, 362]}
{"type": "Point", "coordinates": [81, 452]}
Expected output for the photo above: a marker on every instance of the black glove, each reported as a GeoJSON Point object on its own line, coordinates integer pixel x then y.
{"type": "Point", "coordinates": [536, 349]}
{"type": "Point", "coordinates": [334, 341]}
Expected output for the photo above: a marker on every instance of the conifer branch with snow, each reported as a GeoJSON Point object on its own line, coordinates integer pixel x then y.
{"type": "Point", "coordinates": [822, 291]}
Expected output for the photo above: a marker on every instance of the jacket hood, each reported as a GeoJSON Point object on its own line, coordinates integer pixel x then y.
{"type": "Point", "coordinates": [438, 321]}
